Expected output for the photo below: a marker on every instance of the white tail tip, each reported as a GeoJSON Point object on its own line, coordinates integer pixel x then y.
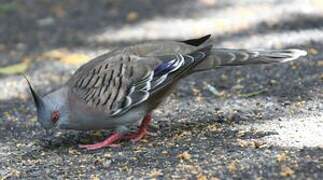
{"type": "Point", "coordinates": [295, 54]}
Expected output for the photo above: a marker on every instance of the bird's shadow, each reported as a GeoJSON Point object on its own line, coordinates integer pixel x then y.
{"type": "Point", "coordinates": [162, 132]}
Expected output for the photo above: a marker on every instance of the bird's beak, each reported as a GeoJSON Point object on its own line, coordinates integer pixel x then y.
{"type": "Point", "coordinates": [37, 99]}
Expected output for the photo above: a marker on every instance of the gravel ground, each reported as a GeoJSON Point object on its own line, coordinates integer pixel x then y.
{"type": "Point", "coordinates": [264, 122]}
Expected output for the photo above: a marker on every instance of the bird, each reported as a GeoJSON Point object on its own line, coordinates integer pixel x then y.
{"type": "Point", "coordinates": [120, 89]}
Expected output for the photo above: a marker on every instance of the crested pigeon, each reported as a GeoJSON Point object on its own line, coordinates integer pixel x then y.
{"type": "Point", "coordinates": [119, 90]}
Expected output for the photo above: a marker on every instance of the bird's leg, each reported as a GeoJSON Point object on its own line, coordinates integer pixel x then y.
{"type": "Point", "coordinates": [134, 137]}
{"type": "Point", "coordinates": [114, 137]}
{"type": "Point", "coordinates": [142, 130]}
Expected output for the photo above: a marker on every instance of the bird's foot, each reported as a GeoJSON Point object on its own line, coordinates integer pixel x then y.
{"type": "Point", "coordinates": [137, 136]}
{"type": "Point", "coordinates": [109, 142]}
{"type": "Point", "coordinates": [142, 130]}
{"type": "Point", "coordinates": [115, 137]}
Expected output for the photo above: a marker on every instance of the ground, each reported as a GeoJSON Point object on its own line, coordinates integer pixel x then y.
{"type": "Point", "coordinates": [255, 122]}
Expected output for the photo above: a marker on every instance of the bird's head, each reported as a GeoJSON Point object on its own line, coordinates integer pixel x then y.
{"type": "Point", "coordinates": [50, 108]}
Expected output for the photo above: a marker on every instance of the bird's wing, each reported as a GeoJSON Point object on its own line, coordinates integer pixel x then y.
{"type": "Point", "coordinates": [121, 82]}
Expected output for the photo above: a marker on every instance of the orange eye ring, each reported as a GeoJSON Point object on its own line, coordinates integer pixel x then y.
{"type": "Point", "coordinates": [55, 116]}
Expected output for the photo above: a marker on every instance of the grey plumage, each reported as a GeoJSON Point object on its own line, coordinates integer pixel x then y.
{"type": "Point", "coordinates": [115, 85]}
{"type": "Point", "coordinates": [117, 89]}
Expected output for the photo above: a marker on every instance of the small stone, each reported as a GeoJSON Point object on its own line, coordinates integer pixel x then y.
{"type": "Point", "coordinates": [46, 21]}
{"type": "Point", "coordinates": [272, 82]}
{"type": "Point", "coordinates": [185, 156]}
{"type": "Point", "coordinates": [201, 177]}
{"type": "Point", "coordinates": [155, 173]}
{"type": "Point", "coordinates": [281, 157]}
{"type": "Point", "coordinates": [232, 167]}
{"type": "Point", "coordinates": [94, 177]}
{"type": "Point", "coordinates": [320, 63]}
{"type": "Point", "coordinates": [73, 151]}
{"type": "Point", "coordinates": [286, 171]}
{"type": "Point", "coordinates": [241, 133]}
{"type": "Point", "coordinates": [107, 163]}
{"type": "Point", "coordinates": [243, 143]}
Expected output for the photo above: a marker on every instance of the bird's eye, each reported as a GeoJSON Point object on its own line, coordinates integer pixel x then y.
{"type": "Point", "coordinates": [55, 116]}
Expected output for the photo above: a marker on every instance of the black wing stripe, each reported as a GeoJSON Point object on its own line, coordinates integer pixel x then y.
{"type": "Point", "coordinates": [119, 79]}
{"type": "Point", "coordinates": [106, 66]}
{"type": "Point", "coordinates": [140, 91]}
{"type": "Point", "coordinates": [99, 69]}
{"type": "Point", "coordinates": [88, 80]}
{"type": "Point", "coordinates": [107, 99]}
{"type": "Point", "coordinates": [80, 84]}
{"type": "Point", "coordinates": [119, 82]}
{"type": "Point", "coordinates": [103, 79]}
{"type": "Point", "coordinates": [111, 77]}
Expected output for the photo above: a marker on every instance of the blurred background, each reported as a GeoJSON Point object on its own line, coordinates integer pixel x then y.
{"type": "Point", "coordinates": [48, 40]}
{"type": "Point", "coordinates": [71, 32]}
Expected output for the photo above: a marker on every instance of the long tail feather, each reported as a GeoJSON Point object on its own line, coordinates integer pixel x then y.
{"type": "Point", "coordinates": [233, 57]}
{"type": "Point", "coordinates": [238, 57]}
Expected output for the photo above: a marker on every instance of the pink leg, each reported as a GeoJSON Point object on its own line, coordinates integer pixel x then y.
{"type": "Point", "coordinates": [134, 137]}
{"type": "Point", "coordinates": [142, 130]}
{"type": "Point", "coordinates": [108, 142]}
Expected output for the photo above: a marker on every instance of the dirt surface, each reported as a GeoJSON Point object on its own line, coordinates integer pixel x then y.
{"type": "Point", "coordinates": [262, 122]}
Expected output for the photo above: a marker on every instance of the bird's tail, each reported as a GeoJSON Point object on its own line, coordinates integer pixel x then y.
{"type": "Point", "coordinates": [237, 57]}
